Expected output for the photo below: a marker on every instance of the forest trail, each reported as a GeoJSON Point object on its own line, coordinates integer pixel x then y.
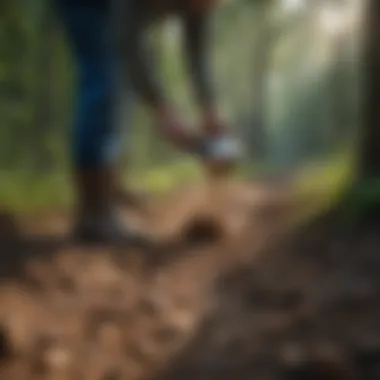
{"type": "Point", "coordinates": [247, 303]}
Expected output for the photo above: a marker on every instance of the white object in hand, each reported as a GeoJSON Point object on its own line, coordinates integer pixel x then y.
{"type": "Point", "coordinates": [224, 148]}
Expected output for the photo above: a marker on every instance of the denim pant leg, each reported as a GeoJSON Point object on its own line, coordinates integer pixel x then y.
{"type": "Point", "coordinates": [95, 141]}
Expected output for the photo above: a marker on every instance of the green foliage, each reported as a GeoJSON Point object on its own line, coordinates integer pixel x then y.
{"type": "Point", "coordinates": [268, 86]}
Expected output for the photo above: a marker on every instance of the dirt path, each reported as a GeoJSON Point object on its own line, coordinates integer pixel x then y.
{"type": "Point", "coordinates": [252, 304]}
{"type": "Point", "coordinates": [70, 312]}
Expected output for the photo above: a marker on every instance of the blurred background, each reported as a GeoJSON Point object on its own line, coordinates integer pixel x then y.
{"type": "Point", "coordinates": [258, 304]}
{"type": "Point", "coordinates": [287, 74]}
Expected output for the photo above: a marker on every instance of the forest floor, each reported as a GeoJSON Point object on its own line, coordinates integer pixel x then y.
{"type": "Point", "coordinates": [261, 299]}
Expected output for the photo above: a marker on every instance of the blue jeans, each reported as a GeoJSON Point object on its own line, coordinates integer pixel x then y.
{"type": "Point", "coordinates": [95, 140]}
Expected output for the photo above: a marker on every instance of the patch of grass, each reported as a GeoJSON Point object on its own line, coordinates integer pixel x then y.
{"type": "Point", "coordinates": [21, 193]}
{"type": "Point", "coordinates": [165, 178]}
{"type": "Point", "coordinates": [361, 201]}
{"type": "Point", "coordinates": [323, 183]}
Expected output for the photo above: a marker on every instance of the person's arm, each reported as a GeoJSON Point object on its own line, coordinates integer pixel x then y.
{"type": "Point", "coordinates": [137, 55]}
{"type": "Point", "coordinates": [137, 59]}
{"type": "Point", "coordinates": [196, 33]}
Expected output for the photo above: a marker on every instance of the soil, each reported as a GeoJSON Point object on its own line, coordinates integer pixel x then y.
{"type": "Point", "coordinates": [230, 291]}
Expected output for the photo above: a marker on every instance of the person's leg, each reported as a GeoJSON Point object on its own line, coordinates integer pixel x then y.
{"type": "Point", "coordinates": [95, 144]}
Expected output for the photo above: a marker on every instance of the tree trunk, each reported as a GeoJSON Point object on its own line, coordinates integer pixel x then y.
{"type": "Point", "coordinates": [369, 165]}
{"type": "Point", "coordinates": [258, 138]}
{"type": "Point", "coordinates": [257, 133]}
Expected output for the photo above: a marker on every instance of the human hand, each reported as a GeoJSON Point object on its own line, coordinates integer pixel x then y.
{"type": "Point", "coordinates": [174, 129]}
{"type": "Point", "coordinates": [212, 124]}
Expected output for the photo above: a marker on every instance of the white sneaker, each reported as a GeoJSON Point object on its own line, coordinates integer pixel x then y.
{"type": "Point", "coordinates": [225, 148]}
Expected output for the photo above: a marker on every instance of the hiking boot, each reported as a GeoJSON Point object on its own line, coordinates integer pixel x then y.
{"type": "Point", "coordinates": [97, 218]}
{"type": "Point", "coordinates": [107, 229]}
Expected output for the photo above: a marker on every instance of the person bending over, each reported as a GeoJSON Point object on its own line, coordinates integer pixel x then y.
{"type": "Point", "coordinates": [111, 54]}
